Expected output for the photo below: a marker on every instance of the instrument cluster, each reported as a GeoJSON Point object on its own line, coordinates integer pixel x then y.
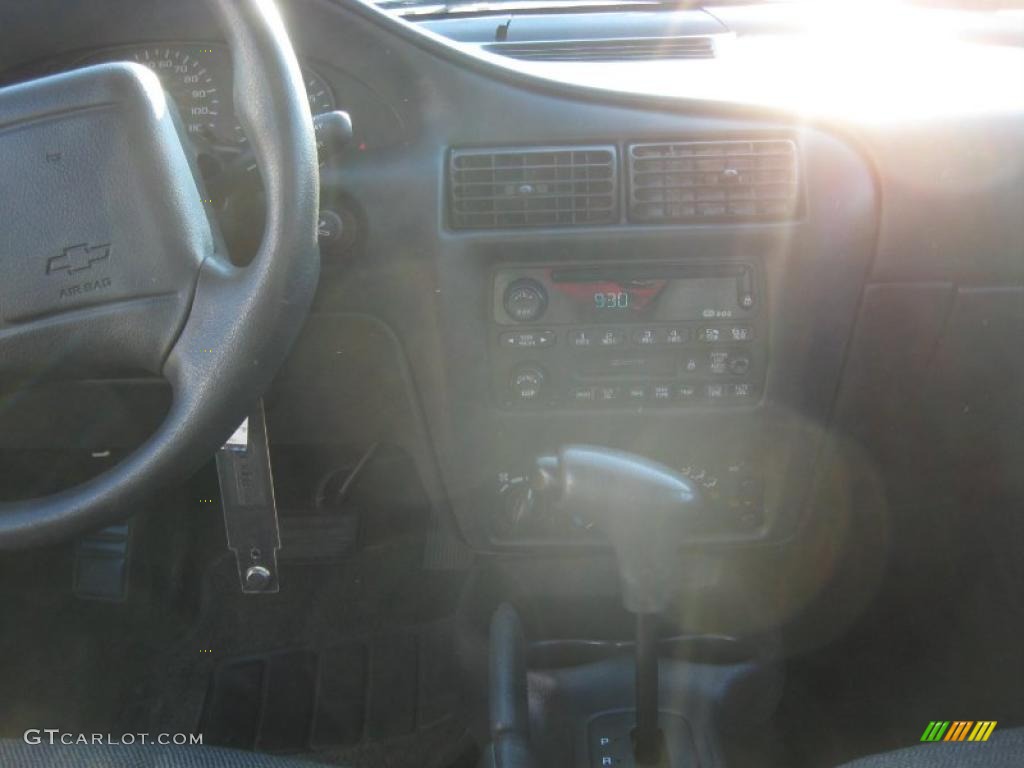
{"type": "Point", "coordinates": [198, 79]}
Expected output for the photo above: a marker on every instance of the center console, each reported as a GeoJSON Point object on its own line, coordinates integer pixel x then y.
{"type": "Point", "coordinates": [714, 347]}
{"type": "Point", "coordinates": [579, 343]}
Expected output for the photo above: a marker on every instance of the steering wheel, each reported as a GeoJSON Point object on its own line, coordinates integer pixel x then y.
{"type": "Point", "coordinates": [108, 262]}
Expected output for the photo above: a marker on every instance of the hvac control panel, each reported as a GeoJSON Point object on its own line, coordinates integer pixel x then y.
{"type": "Point", "coordinates": [627, 336]}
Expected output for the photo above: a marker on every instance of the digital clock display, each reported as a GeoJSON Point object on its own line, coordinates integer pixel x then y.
{"type": "Point", "coordinates": [627, 299]}
{"type": "Point", "coordinates": [611, 300]}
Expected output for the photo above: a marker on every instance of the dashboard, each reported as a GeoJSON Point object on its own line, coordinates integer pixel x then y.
{"type": "Point", "coordinates": [590, 252]}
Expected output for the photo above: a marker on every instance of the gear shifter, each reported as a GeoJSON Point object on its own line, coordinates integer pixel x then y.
{"type": "Point", "coordinates": [645, 510]}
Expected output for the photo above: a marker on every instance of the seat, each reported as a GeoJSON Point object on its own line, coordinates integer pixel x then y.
{"type": "Point", "coordinates": [1005, 749]}
{"type": "Point", "coordinates": [16, 753]}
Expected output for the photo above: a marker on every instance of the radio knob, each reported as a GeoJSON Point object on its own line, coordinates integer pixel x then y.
{"type": "Point", "coordinates": [527, 383]}
{"type": "Point", "coordinates": [525, 300]}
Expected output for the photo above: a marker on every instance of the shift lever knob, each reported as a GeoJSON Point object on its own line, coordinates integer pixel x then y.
{"type": "Point", "coordinates": [643, 508]}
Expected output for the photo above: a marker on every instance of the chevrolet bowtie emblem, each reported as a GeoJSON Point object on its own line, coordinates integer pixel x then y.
{"type": "Point", "coordinates": [77, 258]}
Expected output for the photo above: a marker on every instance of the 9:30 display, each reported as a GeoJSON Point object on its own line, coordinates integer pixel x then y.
{"type": "Point", "coordinates": [611, 300]}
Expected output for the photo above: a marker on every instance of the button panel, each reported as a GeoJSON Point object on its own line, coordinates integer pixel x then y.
{"type": "Point", "coordinates": [647, 337]}
{"type": "Point", "coordinates": [645, 366]}
{"type": "Point", "coordinates": [628, 335]}
{"type": "Point", "coordinates": [662, 393]}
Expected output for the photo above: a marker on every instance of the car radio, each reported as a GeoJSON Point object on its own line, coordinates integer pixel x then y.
{"type": "Point", "coordinates": [627, 335]}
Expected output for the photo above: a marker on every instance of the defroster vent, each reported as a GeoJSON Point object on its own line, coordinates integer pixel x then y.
{"type": "Point", "coordinates": [549, 187]}
{"type": "Point", "coordinates": [713, 181]}
{"type": "Point", "coordinates": [617, 49]}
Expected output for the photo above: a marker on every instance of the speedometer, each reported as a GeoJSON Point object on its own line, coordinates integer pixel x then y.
{"type": "Point", "coordinates": [318, 93]}
{"type": "Point", "coordinates": [187, 80]}
{"type": "Point", "coordinates": [197, 78]}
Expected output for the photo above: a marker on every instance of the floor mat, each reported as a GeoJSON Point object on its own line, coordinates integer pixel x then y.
{"type": "Point", "coordinates": [349, 663]}
{"type": "Point", "coordinates": [339, 700]}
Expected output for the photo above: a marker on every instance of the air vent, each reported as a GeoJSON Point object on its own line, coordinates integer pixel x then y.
{"type": "Point", "coordinates": [625, 49]}
{"type": "Point", "coordinates": [553, 186]}
{"type": "Point", "coordinates": [713, 180]}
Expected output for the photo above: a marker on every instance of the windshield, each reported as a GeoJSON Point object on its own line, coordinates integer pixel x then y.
{"type": "Point", "coordinates": [440, 8]}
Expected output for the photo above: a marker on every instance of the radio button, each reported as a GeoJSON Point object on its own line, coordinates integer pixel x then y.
{"type": "Point", "coordinates": [686, 392]}
{"type": "Point", "coordinates": [581, 338]}
{"type": "Point", "coordinates": [742, 391]}
{"type": "Point", "coordinates": [528, 339]}
{"type": "Point", "coordinates": [648, 337]}
{"type": "Point", "coordinates": [715, 392]}
{"type": "Point", "coordinates": [740, 333]}
{"type": "Point", "coordinates": [661, 393]}
{"type": "Point", "coordinates": [690, 365]}
{"type": "Point", "coordinates": [718, 362]}
{"type": "Point", "coordinates": [636, 393]}
{"type": "Point", "coordinates": [582, 395]}
{"type": "Point", "coordinates": [611, 338]}
{"type": "Point", "coordinates": [677, 336]}
{"type": "Point", "coordinates": [710, 335]}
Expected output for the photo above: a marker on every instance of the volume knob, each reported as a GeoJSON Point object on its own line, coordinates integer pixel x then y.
{"type": "Point", "coordinates": [525, 300]}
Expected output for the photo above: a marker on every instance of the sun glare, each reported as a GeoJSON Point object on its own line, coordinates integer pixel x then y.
{"type": "Point", "coordinates": [878, 60]}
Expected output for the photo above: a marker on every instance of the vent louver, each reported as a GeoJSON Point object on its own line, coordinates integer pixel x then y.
{"type": "Point", "coordinates": [624, 49]}
{"type": "Point", "coordinates": [713, 181]}
{"type": "Point", "coordinates": [553, 186]}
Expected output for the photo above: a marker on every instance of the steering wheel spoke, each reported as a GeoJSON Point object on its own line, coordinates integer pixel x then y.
{"type": "Point", "coordinates": [121, 338]}
{"type": "Point", "coordinates": [108, 262]}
